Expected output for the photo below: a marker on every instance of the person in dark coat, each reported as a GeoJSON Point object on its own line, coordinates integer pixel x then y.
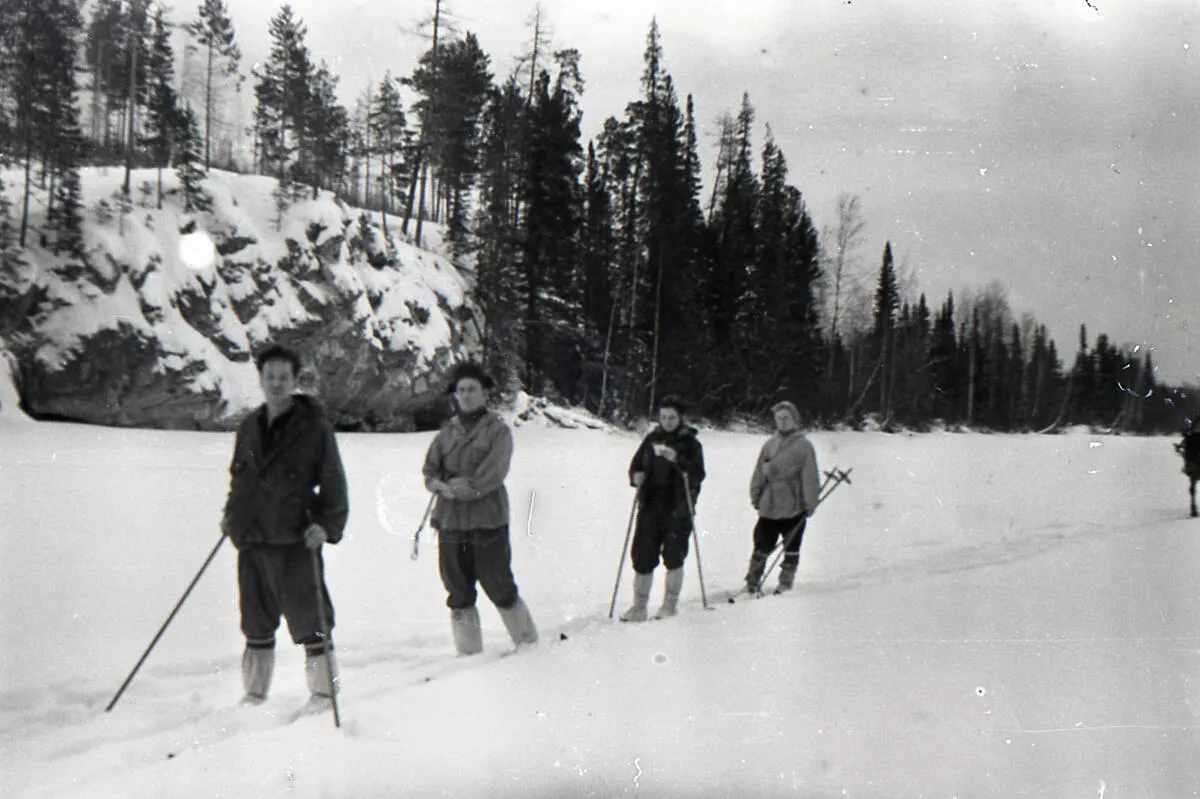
{"type": "Point", "coordinates": [1189, 448]}
{"type": "Point", "coordinates": [287, 497]}
{"type": "Point", "coordinates": [668, 453]}
{"type": "Point", "coordinates": [465, 467]}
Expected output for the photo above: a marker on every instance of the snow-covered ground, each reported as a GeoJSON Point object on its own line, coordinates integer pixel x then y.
{"type": "Point", "coordinates": [976, 616]}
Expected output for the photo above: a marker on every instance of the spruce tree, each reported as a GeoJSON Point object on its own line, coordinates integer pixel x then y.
{"type": "Point", "coordinates": [213, 32]}
{"type": "Point", "coordinates": [550, 223]}
{"type": "Point", "coordinates": [163, 118]}
{"type": "Point", "coordinates": [189, 167]}
{"type": "Point", "coordinates": [391, 141]}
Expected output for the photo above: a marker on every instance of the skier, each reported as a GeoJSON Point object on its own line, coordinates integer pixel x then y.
{"type": "Point", "coordinates": [465, 467]}
{"type": "Point", "coordinates": [1189, 448]}
{"type": "Point", "coordinates": [287, 497]}
{"type": "Point", "coordinates": [784, 490]}
{"type": "Point", "coordinates": [664, 521]}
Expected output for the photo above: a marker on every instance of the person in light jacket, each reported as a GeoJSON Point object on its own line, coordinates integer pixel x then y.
{"type": "Point", "coordinates": [784, 490]}
{"type": "Point", "coordinates": [465, 467]}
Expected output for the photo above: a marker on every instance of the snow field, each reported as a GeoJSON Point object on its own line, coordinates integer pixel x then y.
{"type": "Point", "coordinates": [976, 616]}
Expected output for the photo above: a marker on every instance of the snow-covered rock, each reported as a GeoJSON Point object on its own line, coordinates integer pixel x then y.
{"type": "Point", "coordinates": [148, 331]}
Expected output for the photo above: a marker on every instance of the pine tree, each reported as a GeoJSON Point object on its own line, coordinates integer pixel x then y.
{"type": "Point", "coordinates": [106, 58]}
{"type": "Point", "coordinates": [731, 295]}
{"type": "Point", "coordinates": [497, 262]}
{"type": "Point", "coordinates": [282, 89]}
{"type": "Point", "coordinates": [883, 333]}
{"type": "Point", "coordinates": [213, 32]}
{"type": "Point", "coordinates": [326, 128]}
{"type": "Point", "coordinates": [188, 165]}
{"type": "Point", "coordinates": [163, 117]}
{"type": "Point", "coordinates": [550, 223]}
{"type": "Point", "coordinates": [388, 130]}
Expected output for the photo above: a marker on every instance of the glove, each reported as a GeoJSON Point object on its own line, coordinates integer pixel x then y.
{"type": "Point", "coordinates": [460, 488]}
{"type": "Point", "coordinates": [665, 452]}
{"type": "Point", "coordinates": [314, 536]}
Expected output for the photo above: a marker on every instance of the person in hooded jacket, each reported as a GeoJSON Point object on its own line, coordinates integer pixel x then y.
{"type": "Point", "coordinates": [465, 466]}
{"type": "Point", "coordinates": [784, 490]}
{"type": "Point", "coordinates": [664, 518]}
{"type": "Point", "coordinates": [287, 497]}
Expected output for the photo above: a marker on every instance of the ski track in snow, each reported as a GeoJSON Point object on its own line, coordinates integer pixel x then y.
{"type": "Point", "coordinates": [974, 616]}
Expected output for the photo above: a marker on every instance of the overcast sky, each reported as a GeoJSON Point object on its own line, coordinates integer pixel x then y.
{"type": "Point", "coordinates": [1053, 145]}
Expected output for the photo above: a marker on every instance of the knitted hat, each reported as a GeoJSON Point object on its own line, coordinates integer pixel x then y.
{"type": "Point", "coordinates": [672, 401]}
{"type": "Point", "coordinates": [789, 407]}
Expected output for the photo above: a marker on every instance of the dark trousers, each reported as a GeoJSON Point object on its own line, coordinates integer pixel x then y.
{"type": "Point", "coordinates": [274, 580]}
{"type": "Point", "coordinates": [659, 534]}
{"type": "Point", "coordinates": [483, 556]}
{"type": "Point", "coordinates": [767, 533]}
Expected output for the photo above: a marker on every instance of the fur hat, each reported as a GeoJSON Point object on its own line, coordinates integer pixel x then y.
{"type": "Point", "coordinates": [789, 407]}
{"type": "Point", "coordinates": [672, 401]}
{"type": "Point", "coordinates": [469, 370]}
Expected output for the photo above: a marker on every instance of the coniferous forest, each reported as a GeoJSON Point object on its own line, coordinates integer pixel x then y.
{"type": "Point", "coordinates": [609, 271]}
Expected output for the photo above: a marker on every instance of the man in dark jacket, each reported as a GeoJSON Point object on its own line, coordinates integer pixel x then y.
{"type": "Point", "coordinates": [287, 497]}
{"type": "Point", "coordinates": [669, 452]}
{"type": "Point", "coordinates": [1189, 448]}
{"type": "Point", "coordinates": [465, 467]}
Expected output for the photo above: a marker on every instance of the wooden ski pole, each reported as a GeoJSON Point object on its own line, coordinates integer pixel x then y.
{"type": "Point", "coordinates": [624, 548]}
{"type": "Point", "coordinates": [319, 581]}
{"type": "Point", "coordinates": [163, 629]}
{"type": "Point", "coordinates": [417, 535]}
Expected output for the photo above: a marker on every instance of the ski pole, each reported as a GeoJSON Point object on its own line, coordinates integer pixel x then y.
{"type": "Point", "coordinates": [417, 535]}
{"type": "Point", "coordinates": [319, 582]}
{"type": "Point", "coordinates": [837, 476]}
{"type": "Point", "coordinates": [624, 548]}
{"type": "Point", "coordinates": [687, 492]}
{"type": "Point", "coordinates": [163, 629]}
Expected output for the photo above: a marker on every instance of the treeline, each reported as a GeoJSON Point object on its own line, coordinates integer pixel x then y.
{"type": "Point", "coordinates": [607, 273]}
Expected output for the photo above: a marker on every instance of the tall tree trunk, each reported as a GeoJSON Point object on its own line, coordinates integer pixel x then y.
{"type": "Point", "coordinates": [95, 121]}
{"type": "Point", "coordinates": [384, 177]}
{"type": "Point", "coordinates": [971, 383]}
{"type": "Point", "coordinates": [421, 207]}
{"type": "Point", "coordinates": [421, 142]}
{"type": "Point", "coordinates": [657, 317]}
{"type": "Point", "coordinates": [208, 81]}
{"type": "Point", "coordinates": [131, 136]}
{"type": "Point", "coordinates": [28, 168]}
{"type": "Point", "coordinates": [608, 338]}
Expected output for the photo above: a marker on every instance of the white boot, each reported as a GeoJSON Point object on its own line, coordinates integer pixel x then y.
{"type": "Point", "coordinates": [258, 665]}
{"type": "Point", "coordinates": [519, 623]}
{"type": "Point", "coordinates": [316, 672]}
{"type": "Point", "coordinates": [468, 638]}
{"type": "Point", "coordinates": [670, 604]}
{"type": "Point", "coordinates": [642, 583]}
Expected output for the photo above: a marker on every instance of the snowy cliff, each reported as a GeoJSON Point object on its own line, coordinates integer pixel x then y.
{"type": "Point", "coordinates": [157, 325]}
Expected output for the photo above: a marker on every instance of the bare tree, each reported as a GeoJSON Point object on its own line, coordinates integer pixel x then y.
{"type": "Point", "coordinates": [842, 260]}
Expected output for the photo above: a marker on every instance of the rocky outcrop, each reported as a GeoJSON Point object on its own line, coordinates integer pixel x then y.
{"type": "Point", "coordinates": [133, 336]}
